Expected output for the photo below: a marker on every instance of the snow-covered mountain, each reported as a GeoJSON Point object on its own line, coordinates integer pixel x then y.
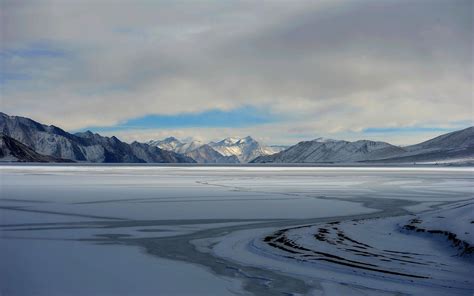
{"type": "Point", "coordinates": [169, 143]}
{"type": "Point", "coordinates": [229, 150]}
{"type": "Point", "coordinates": [175, 145]}
{"type": "Point", "coordinates": [85, 147]}
{"type": "Point", "coordinates": [206, 154]}
{"type": "Point", "coordinates": [451, 146]}
{"type": "Point", "coordinates": [328, 151]}
{"type": "Point", "coordinates": [12, 150]}
{"type": "Point", "coordinates": [197, 150]}
{"type": "Point", "coordinates": [246, 149]}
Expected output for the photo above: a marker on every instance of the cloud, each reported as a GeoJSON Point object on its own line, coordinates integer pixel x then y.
{"type": "Point", "coordinates": [322, 66]}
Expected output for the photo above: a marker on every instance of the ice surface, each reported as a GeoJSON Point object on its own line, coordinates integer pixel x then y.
{"type": "Point", "coordinates": [174, 194]}
{"type": "Point", "coordinates": [146, 230]}
{"type": "Point", "coordinates": [57, 267]}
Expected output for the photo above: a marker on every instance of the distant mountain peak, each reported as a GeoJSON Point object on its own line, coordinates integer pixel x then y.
{"type": "Point", "coordinates": [227, 150]}
{"type": "Point", "coordinates": [247, 139]}
{"type": "Point", "coordinates": [245, 149]}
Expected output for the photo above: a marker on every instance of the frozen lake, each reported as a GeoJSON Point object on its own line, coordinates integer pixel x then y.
{"type": "Point", "coordinates": [144, 230]}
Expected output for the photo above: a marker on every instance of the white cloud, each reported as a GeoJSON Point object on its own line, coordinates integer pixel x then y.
{"type": "Point", "coordinates": [325, 66]}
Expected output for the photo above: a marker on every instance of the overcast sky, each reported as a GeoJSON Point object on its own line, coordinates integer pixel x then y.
{"type": "Point", "coordinates": [281, 71]}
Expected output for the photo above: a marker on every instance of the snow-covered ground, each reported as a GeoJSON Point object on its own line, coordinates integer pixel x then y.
{"type": "Point", "coordinates": [454, 222]}
{"type": "Point", "coordinates": [113, 230]}
{"type": "Point", "coordinates": [371, 256]}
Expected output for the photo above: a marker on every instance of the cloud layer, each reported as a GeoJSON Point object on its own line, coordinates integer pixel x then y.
{"type": "Point", "coordinates": [322, 67]}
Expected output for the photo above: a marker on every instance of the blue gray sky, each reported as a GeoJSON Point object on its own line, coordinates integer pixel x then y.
{"type": "Point", "coordinates": [281, 71]}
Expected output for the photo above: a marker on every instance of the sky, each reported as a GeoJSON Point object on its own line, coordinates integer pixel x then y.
{"type": "Point", "coordinates": [281, 71]}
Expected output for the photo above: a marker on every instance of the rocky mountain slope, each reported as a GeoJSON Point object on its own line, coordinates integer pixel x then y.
{"type": "Point", "coordinates": [82, 147]}
{"type": "Point", "coordinates": [457, 145]}
{"type": "Point", "coordinates": [13, 151]}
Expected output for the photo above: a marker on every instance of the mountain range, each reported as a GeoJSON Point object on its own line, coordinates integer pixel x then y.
{"type": "Point", "coordinates": [49, 140]}
{"type": "Point", "coordinates": [228, 150]}
{"type": "Point", "coordinates": [454, 146]}
{"type": "Point", "coordinates": [23, 139]}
